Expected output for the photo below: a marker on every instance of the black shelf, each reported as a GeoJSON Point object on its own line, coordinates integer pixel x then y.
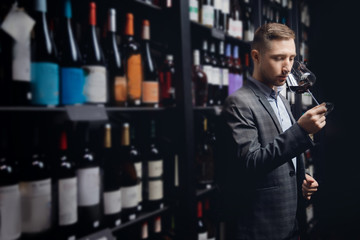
{"type": "Point", "coordinates": [63, 109]}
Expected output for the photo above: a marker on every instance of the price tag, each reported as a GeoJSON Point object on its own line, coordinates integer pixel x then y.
{"type": "Point", "coordinates": [86, 113]}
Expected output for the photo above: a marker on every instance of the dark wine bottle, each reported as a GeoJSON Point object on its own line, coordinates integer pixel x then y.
{"type": "Point", "coordinates": [210, 221]}
{"type": "Point", "coordinates": [10, 201]}
{"type": "Point", "coordinates": [218, 14]}
{"type": "Point", "coordinates": [224, 74]}
{"type": "Point", "coordinates": [44, 62]}
{"type": "Point", "coordinates": [202, 233]}
{"type": "Point", "coordinates": [150, 85]}
{"type": "Point", "coordinates": [167, 77]}
{"type": "Point", "coordinates": [117, 81]}
{"type": "Point", "coordinates": [72, 78]}
{"type": "Point", "coordinates": [88, 174]}
{"type": "Point", "coordinates": [207, 67]}
{"type": "Point", "coordinates": [236, 77]}
{"type": "Point", "coordinates": [199, 82]}
{"type": "Point", "coordinates": [35, 189]}
{"type": "Point", "coordinates": [112, 182]}
{"type": "Point", "coordinates": [130, 181]}
{"type": "Point", "coordinates": [95, 89]}
{"type": "Point", "coordinates": [215, 75]}
{"type": "Point", "coordinates": [133, 63]}
{"type": "Point", "coordinates": [154, 174]}
{"type": "Point", "coordinates": [66, 192]}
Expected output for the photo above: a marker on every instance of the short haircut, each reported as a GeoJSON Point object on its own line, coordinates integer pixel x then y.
{"type": "Point", "coordinates": [271, 31]}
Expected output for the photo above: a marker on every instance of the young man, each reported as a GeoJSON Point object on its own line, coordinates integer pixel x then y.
{"type": "Point", "coordinates": [265, 181]}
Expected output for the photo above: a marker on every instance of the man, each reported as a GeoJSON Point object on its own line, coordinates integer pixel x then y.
{"type": "Point", "coordinates": [265, 181]}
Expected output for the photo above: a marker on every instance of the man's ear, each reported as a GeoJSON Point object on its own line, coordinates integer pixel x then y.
{"type": "Point", "coordinates": [255, 55]}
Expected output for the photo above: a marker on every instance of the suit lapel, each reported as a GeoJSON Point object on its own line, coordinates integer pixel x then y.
{"type": "Point", "coordinates": [266, 105]}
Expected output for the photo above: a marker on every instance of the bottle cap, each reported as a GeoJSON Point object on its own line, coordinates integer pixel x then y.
{"type": "Point", "coordinates": [129, 28]}
{"type": "Point", "coordinates": [67, 9]}
{"type": "Point", "coordinates": [92, 15]}
{"type": "Point", "coordinates": [40, 6]}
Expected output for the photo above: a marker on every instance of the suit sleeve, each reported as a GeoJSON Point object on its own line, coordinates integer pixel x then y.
{"type": "Point", "coordinates": [252, 155]}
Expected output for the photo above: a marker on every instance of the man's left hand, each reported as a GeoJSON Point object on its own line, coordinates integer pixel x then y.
{"type": "Point", "coordinates": [309, 186]}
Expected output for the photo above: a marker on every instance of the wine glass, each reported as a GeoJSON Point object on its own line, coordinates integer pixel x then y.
{"type": "Point", "coordinates": [301, 79]}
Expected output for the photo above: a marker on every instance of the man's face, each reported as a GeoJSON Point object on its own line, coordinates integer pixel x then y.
{"type": "Point", "coordinates": [276, 61]}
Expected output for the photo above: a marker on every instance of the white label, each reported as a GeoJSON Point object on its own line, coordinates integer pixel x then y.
{"type": "Point", "coordinates": [156, 189]}
{"type": "Point", "coordinates": [202, 236]}
{"type": "Point", "coordinates": [239, 29]}
{"type": "Point", "coordinates": [21, 61]}
{"type": "Point", "coordinates": [216, 76]}
{"type": "Point", "coordinates": [139, 191]}
{"type": "Point", "coordinates": [36, 206]}
{"type": "Point", "coordinates": [208, 71]}
{"type": "Point", "coordinates": [207, 15]}
{"type": "Point", "coordinates": [129, 196]}
{"type": "Point", "coordinates": [218, 4]}
{"type": "Point", "coordinates": [112, 202]}
{"type": "Point", "coordinates": [138, 168]}
{"type": "Point", "coordinates": [194, 10]}
{"type": "Point", "coordinates": [226, 6]}
{"type": "Point", "coordinates": [155, 168]}
{"type": "Point", "coordinates": [88, 186]}
{"type": "Point", "coordinates": [10, 212]}
{"type": "Point", "coordinates": [95, 84]}
{"type": "Point", "coordinates": [225, 77]}
{"type": "Point", "coordinates": [18, 24]}
{"type": "Point", "coordinates": [67, 201]}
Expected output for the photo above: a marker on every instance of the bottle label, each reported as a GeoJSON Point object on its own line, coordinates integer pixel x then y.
{"type": "Point", "coordinates": [216, 76]}
{"type": "Point", "coordinates": [134, 76]}
{"type": "Point", "coordinates": [129, 196]}
{"type": "Point", "coordinates": [138, 168]}
{"type": "Point", "coordinates": [45, 83]}
{"type": "Point", "coordinates": [10, 212]}
{"type": "Point", "coordinates": [225, 77]}
{"type": "Point", "coordinates": [21, 61]}
{"type": "Point", "coordinates": [88, 186]}
{"type": "Point", "coordinates": [95, 84]}
{"type": "Point", "coordinates": [112, 202]}
{"type": "Point", "coordinates": [156, 189]}
{"type": "Point", "coordinates": [36, 206]}
{"type": "Point", "coordinates": [155, 168]}
{"type": "Point", "coordinates": [235, 82]}
{"type": "Point", "coordinates": [120, 89]}
{"type": "Point", "coordinates": [202, 236]}
{"type": "Point", "coordinates": [208, 71]}
{"type": "Point", "coordinates": [194, 10]}
{"type": "Point", "coordinates": [72, 85]}
{"type": "Point", "coordinates": [207, 15]}
{"type": "Point", "coordinates": [150, 92]}
{"type": "Point", "coordinates": [139, 192]}
{"type": "Point", "coordinates": [67, 201]}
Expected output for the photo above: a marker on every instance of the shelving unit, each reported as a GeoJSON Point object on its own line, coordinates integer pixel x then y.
{"type": "Point", "coordinates": [180, 32]}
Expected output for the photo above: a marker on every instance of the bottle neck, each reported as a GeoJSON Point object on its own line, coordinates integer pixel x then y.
{"type": "Point", "coordinates": [92, 14]}
{"type": "Point", "coordinates": [112, 20]}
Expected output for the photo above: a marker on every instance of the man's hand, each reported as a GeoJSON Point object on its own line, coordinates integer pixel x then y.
{"type": "Point", "coordinates": [309, 186]}
{"type": "Point", "coordinates": [313, 120]}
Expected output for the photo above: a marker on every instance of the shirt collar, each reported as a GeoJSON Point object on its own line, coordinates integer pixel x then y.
{"type": "Point", "coordinates": [266, 90]}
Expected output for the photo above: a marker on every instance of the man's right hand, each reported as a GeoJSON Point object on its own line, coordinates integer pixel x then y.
{"type": "Point", "coordinates": [313, 120]}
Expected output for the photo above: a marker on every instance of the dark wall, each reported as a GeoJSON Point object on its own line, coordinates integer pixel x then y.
{"type": "Point", "coordinates": [334, 53]}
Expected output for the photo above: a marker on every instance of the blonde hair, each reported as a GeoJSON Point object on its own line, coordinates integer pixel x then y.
{"type": "Point", "coordinates": [271, 31]}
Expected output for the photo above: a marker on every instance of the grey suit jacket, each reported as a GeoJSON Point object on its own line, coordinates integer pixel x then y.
{"type": "Point", "coordinates": [260, 186]}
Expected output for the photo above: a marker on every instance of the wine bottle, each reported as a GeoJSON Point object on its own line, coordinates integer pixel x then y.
{"type": "Point", "coordinates": [16, 55]}
{"type": "Point", "coordinates": [167, 77]}
{"type": "Point", "coordinates": [66, 192]}
{"type": "Point", "coordinates": [236, 78]}
{"type": "Point", "coordinates": [72, 80]}
{"type": "Point", "coordinates": [117, 81]}
{"type": "Point", "coordinates": [217, 14]}
{"type": "Point", "coordinates": [236, 20]}
{"type": "Point", "coordinates": [95, 88]}
{"type": "Point", "coordinates": [209, 220]}
{"type": "Point", "coordinates": [154, 173]}
{"type": "Point", "coordinates": [202, 233]}
{"type": "Point", "coordinates": [150, 84]}
{"type": "Point", "coordinates": [35, 190]}
{"type": "Point", "coordinates": [136, 158]}
{"type": "Point", "coordinates": [205, 158]}
{"type": "Point", "coordinates": [88, 175]}
{"type": "Point", "coordinates": [207, 67]}
{"type": "Point", "coordinates": [133, 63]}
{"type": "Point", "coordinates": [130, 180]}
{"type": "Point", "coordinates": [224, 74]}
{"type": "Point", "coordinates": [199, 82]}
{"type": "Point", "coordinates": [44, 63]}
{"type": "Point", "coordinates": [215, 75]}
{"type": "Point", "coordinates": [225, 15]}
{"type": "Point", "coordinates": [10, 202]}
{"type": "Point", "coordinates": [207, 13]}
{"type": "Point", "coordinates": [112, 182]}
{"type": "Point", "coordinates": [229, 65]}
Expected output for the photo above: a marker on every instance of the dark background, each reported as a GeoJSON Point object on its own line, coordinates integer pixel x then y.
{"type": "Point", "coordinates": [334, 52]}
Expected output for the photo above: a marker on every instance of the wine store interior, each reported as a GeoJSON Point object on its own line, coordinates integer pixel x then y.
{"type": "Point", "coordinates": [111, 116]}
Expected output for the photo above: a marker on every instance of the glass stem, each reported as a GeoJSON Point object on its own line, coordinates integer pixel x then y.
{"type": "Point", "coordinates": [313, 97]}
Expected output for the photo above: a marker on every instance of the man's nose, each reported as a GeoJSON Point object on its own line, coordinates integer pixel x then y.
{"type": "Point", "coordinates": [286, 67]}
